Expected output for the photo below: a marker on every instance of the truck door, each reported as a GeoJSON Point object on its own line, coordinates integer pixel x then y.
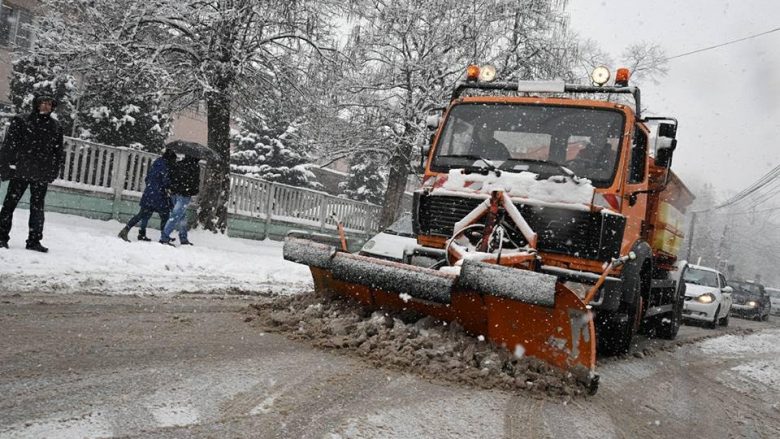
{"type": "Point", "coordinates": [635, 193]}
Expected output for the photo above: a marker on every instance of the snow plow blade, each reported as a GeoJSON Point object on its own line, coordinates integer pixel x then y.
{"type": "Point", "coordinates": [527, 312]}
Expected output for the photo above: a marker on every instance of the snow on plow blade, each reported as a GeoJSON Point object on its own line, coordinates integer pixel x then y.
{"type": "Point", "coordinates": [527, 312]}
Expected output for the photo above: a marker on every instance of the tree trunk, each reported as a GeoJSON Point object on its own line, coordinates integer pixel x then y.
{"type": "Point", "coordinates": [396, 186]}
{"type": "Point", "coordinates": [212, 211]}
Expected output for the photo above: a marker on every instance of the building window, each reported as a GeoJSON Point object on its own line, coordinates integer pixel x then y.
{"type": "Point", "coordinates": [15, 27]}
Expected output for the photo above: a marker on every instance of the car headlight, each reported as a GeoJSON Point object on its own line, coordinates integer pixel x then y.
{"type": "Point", "coordinates": [706, 298]}
{"type": "Point", "coordinates": [752, 304]}
{"type": "Point", "coordinates": [369, 245]}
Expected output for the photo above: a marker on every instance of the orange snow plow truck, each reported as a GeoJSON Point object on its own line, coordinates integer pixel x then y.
{"type": "Point", "coordinates": [553, 219]}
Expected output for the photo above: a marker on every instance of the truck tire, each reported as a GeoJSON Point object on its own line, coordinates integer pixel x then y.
{"type": "Point", "coordinates": [668, 325]}
{"type": "Point", "coordinates": [615, 330]}
{"type": "Point", "coordinates": [724, 321]}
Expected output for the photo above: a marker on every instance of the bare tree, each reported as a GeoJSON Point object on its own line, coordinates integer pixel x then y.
{"type": "Point", "coordinates": [646, 61]}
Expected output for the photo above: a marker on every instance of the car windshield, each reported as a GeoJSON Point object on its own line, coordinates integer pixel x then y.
{"type": "Point", "coordinates": [402, 226]}
{"type": "Point", "coordinates": [701, 277]}
{"type": "Point", "coordinates": [535, 138]}
{"type": "Point", "coordinates": [750, 288]}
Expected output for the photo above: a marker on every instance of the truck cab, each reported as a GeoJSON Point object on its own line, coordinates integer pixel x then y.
{"type": "Point", "coordinates": [601, 189]}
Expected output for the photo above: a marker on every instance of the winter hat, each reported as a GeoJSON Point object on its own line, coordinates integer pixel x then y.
{"type": "Point", "coordinates": [41, 98]}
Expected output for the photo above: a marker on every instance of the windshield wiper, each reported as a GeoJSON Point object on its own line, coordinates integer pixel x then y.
{"type": "Point", "coordinates": [490, 165]}
{"type": "Point", "coordinates": [566, 171]}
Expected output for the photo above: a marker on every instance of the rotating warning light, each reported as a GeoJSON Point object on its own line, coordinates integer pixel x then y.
{"type": "Point", "coordinates": [621, 77]}
{"type": "Point", "coordinates": [600, 75]}
{"type": "Point", "coordinates": [472, 72]}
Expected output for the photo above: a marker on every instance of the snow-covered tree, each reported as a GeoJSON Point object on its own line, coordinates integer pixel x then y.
{"type": "Point", "coordinates": [116, 96]}
{"type": "Point", "coordinates": [115, 110]}
{"type": "Point", "coordinates": [409, 54]}
{"type": "Point", "coordinates": [366, 180]}
{"type": "Point", "coordinates": [35, 75]}
{"type": "Point", "coordinates": [271, 148]}
{"type": "Point", "coordinates": [225, 52]}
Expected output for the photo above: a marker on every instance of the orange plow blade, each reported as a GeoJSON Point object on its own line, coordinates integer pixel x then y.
{"type": "Point", "coordinates": [529, 313]}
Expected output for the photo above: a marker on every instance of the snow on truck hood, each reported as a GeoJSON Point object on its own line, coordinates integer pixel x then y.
{"type": "Point", "coordinates": [554, 190]}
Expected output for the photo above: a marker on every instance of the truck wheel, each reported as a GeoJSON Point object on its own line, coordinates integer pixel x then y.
{"type": "Point", "coordinates": [668, 325]}
{"type": "Point", "coordinates": [724, 321]}
{"type": "Point", "coordinates": [615, 330]}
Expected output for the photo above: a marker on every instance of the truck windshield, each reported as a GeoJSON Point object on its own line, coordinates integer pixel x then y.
{"type": "Point", "coordinates": [534, 138]}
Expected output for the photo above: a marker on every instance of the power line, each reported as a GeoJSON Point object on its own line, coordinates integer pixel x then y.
{"type": "Point", "coordinates": [723, 44]}
{"type": "Point", "coordinates": [762, 182]}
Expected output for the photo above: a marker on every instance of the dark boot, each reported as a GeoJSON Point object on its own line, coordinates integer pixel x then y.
{"type": "Point", "coordinates": [123, 234]}
{"type": "Point", "coordinates": [168, 241]}
{"type": "Point", "coordinates": [142, 236]}
{"type": "Point", "coordinates": [36, 246]}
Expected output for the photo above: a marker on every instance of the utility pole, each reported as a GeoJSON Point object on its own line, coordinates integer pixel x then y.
{"type": "Point", "coordinates": [691, 229]}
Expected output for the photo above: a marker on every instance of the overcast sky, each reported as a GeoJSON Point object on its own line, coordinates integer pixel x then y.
{"type": "Point", "coordinates": [726, 99]}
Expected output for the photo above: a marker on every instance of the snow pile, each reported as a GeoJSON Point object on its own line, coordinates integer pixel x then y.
{"type": "Point", "coordinates": [738, 346]}
{"type": "Point", "coordinates": [424, 347]}
{"type": "Point", "coordinates": [556, 189]}
{"type": "Point", "coordinates": [86, 256]}
{"type": "Point", "coordinates": [760, 373]}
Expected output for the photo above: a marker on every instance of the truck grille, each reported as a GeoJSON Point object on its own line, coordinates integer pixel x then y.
{"type": "Point", "coordinates": [563, 231]}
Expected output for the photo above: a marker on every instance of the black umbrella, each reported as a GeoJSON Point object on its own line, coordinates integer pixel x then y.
{"type": "Point", "coordinates": [193, 149]}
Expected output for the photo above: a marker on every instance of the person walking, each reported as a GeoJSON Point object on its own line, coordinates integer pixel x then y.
{"type": "Point", "coordinates": [31, 157]}
{"type": "Point", "coordinates": [155, 197]}
{"type": "Point", "coordinates": [185, 183]}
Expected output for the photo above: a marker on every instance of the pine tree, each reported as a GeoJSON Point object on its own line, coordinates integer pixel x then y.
{"type": "Point", "coordinates": [272, 149]}
{"type": "Point", "coordinates": [117, 110]}
{"type": "Point", "coordinates": [367, 178]}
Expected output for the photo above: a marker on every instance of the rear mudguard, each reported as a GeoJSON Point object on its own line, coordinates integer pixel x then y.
{"type": "Point", "coordinates": [529, 313]}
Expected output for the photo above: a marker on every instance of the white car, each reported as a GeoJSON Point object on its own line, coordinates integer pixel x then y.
{"type": "Point", "coordinates": [390, 243]}
{"type": "Point", "coordinates": [707, 296]}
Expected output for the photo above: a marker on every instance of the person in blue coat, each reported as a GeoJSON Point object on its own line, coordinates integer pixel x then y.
{"type": "Point", "coordinates": [155, 197]}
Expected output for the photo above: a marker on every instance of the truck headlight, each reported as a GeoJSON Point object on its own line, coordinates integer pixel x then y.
{"type": "Point", "coordinates": [752, 304]}
{"type": "Point", "coordinates": [706, 298]}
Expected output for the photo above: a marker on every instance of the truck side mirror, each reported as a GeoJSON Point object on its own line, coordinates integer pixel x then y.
{"type": "Point", "coordinates": [424, 150]}
{"type": "Point", "coordinates": [432, 121]}
{"type": "Point", "coordinates": [665, 144]}
{"type": "Point", "coordinates": [727, 289]}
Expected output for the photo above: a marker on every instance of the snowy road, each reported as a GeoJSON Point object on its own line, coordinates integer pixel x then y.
{"type": "Point", "coordinates": [190, 366]}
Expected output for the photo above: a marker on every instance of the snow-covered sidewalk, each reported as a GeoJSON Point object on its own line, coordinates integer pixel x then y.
{"type": "Point", "coordinates": [86, 256]}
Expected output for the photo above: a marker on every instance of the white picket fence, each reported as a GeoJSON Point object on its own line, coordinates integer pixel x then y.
{"type": "Point", "coordinates": [121, 172]}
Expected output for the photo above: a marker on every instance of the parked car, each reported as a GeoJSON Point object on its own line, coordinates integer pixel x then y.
{"type": "Point", "coordinates": [390, 243]}
{"type": "Point", "coordinates": [774, 299]}
{"type": "Point", "coordinates": [707, 296]}
{"type": "Point", "coordinates": [750, 300]}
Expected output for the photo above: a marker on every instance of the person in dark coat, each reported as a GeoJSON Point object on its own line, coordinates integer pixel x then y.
{"type": "Point", "coordinates": [31, 157]}
{"type": "Point", "coordinates": [185, 183]}
{"type": "Point", "coordinates": [155, 197]}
